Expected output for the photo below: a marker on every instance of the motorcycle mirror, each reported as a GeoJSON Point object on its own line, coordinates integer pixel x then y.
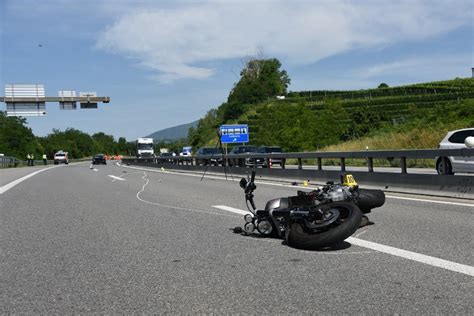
{"type": "Point", "coordinates": [243, 183]}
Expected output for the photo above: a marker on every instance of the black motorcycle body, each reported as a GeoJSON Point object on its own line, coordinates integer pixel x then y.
{"type": "Point", "coordinates": [311, 220]}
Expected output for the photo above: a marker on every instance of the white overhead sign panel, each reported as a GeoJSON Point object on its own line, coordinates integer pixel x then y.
{"type": "Point", "coordinates": [13, 90]}
{"type": "Point", "coordinates": [15, 108]}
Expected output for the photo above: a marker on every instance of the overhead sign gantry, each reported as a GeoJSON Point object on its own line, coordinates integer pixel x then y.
{"type": "Point", "coordinates": [30, 100]}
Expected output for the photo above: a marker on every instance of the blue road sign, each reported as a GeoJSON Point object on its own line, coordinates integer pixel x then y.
{"type": "Point", "coordinates": [234, 133]}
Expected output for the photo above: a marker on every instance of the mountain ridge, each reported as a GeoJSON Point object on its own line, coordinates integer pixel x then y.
{"type": "Point", "coordinates": [173, 133]}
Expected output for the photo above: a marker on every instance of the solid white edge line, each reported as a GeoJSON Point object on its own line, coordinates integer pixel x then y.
{"type": "Point", "coordinates": [116, 178]}
{"type": "Point", "coordinates": [429, 260]}
{"type": "Point", "coordinates": [432, 261]}
{"type": "Point", "coordinates": [231, 209]}
{"type": "Point", "coordinates": [10, 185]}
{"type": "Point", "coordinates": [428, 201]}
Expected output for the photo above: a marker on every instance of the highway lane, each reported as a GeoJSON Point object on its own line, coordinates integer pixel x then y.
{"type": "Point", "coordinates": [78, 240]}
{"type": "Point", "coordinates": [8, 175]}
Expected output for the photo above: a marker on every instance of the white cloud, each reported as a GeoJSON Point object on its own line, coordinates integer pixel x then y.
{"type": "Point", "coordinates": [177, 42]}
{"type": "Point", "coordinates": [435, 66]}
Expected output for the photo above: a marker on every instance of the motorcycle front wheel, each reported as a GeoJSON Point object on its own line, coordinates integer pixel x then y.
{"type": "Point", "coordinates": [302, 238]}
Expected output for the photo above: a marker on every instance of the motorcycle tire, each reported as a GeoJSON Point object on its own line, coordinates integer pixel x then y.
{"type": "Point", "coordinates": [369, 199]}
{"type": "Point", "coordinates": [299, 238]}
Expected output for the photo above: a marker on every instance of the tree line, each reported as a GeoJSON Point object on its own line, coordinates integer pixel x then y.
{"type": "Point", "coordinates": [17, 140]}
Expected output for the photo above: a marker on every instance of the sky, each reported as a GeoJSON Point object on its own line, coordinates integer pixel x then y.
{"type": "Point", "coordinates": [166, 63]}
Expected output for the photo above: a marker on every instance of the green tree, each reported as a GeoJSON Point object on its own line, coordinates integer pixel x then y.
{"type": "Point", "coordinates": [106, 143]}
{"type": "Point", "coordinates": [206, 130]}
{"type": "Point", "coordinates": [16, 139]}
{"type": "Point", "coordinates": [259, 79]}
{"type": "Point", "coordinates": [289, 126]}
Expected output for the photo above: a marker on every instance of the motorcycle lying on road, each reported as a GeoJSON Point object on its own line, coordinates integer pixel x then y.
{"type": "Point", "coordinates": [312, 220]}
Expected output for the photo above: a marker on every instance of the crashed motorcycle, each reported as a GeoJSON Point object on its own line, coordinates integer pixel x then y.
{"type": "Point", "coordinates": [315, 219]}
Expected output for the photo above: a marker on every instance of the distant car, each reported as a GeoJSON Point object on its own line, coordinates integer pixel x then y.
{"type": "Point", "coordinates": [61, 157]}
{"type": "Point", "coordinates": [99, 159]}
{"type": "Point", "coordinates": [455, 140]}
{"type": "Point", "coordinates": [272, 150]}
{"type": "Point", "coordinates": [214, 159]}
{"type": "Point", "coordinates": [242, 162]}
{"type": "Point", "coordinates": [166, 157]}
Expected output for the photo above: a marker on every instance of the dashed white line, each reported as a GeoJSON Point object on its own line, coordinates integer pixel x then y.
{"type": "Point", "coordinates": [432, 261]}
{"type": "Point", "coordinates": [231, 209]}
{"type": "Point", "coordinates": [116, 178]}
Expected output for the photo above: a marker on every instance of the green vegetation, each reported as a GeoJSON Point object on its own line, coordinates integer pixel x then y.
{"type": "Point", "coordinates": [260, 79]}
{"type": "Point", "coordinates": [412, 116]}
{"type": "Point", "coordinates": [17, 140]}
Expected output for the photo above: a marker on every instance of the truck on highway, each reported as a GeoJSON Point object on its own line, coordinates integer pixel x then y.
{"type": "Point", "coordinates": [145, 148]}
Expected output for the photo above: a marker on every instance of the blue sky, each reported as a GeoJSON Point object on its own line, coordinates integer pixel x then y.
{"type": "Point", "coordinates": [165, 63]}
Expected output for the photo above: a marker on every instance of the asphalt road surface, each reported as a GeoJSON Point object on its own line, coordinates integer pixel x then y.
{"type": "Point", "coordinates": [115, 239]}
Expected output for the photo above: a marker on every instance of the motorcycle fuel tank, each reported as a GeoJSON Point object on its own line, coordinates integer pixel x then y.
{"type": "Point", "coordinates": [277, 204]}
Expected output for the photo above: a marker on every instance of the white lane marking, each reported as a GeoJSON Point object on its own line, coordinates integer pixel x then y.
{"type": "Point", "coordinates": [231, 209]}
{"type": "Point", "coordinates": [299, 186]}
{"type": "Point", "coordinates": [429, 201]}
{"type": "Point", "coordinates": [362, 232]}
{"type": "Point", "coordinates": [95, 169]}
{"type": "Point", "coordinates": [116, 178]}
{"type": "Point", "coordinates": [432, 261]}
{"type": "Point", "coordinates": [171, 206]}
{"type": "Point", "coordinates": [10, 185]}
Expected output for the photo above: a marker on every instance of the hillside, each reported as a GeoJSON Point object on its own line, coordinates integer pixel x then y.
{"type": "Point", "coordinates": [313, 120]}
{"type": "Point", "coordinates": [172, 133]}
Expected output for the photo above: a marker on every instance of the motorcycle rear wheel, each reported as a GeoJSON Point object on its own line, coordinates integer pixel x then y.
{"type": "Point", "coordinates": [351, 216]}
{"type": "Point", "coordinates": [369, 199]}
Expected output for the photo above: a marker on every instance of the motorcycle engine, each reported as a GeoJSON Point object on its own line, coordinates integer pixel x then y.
{"type": "Point", "coordinates": [338, 193]}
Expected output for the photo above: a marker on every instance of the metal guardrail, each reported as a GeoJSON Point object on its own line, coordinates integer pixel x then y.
{"type": "Point", "coordinates": [405, 181]}
{"type": "Point", "coordinates": [369, 156]}
{"type": "Point", "coordinates": [10, 162]}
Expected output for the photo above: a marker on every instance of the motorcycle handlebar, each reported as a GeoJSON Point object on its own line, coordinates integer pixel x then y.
{"type": "Point", "coordinates": [252, 203]}
{"type": "Point", "coordinates": [252, 177]}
